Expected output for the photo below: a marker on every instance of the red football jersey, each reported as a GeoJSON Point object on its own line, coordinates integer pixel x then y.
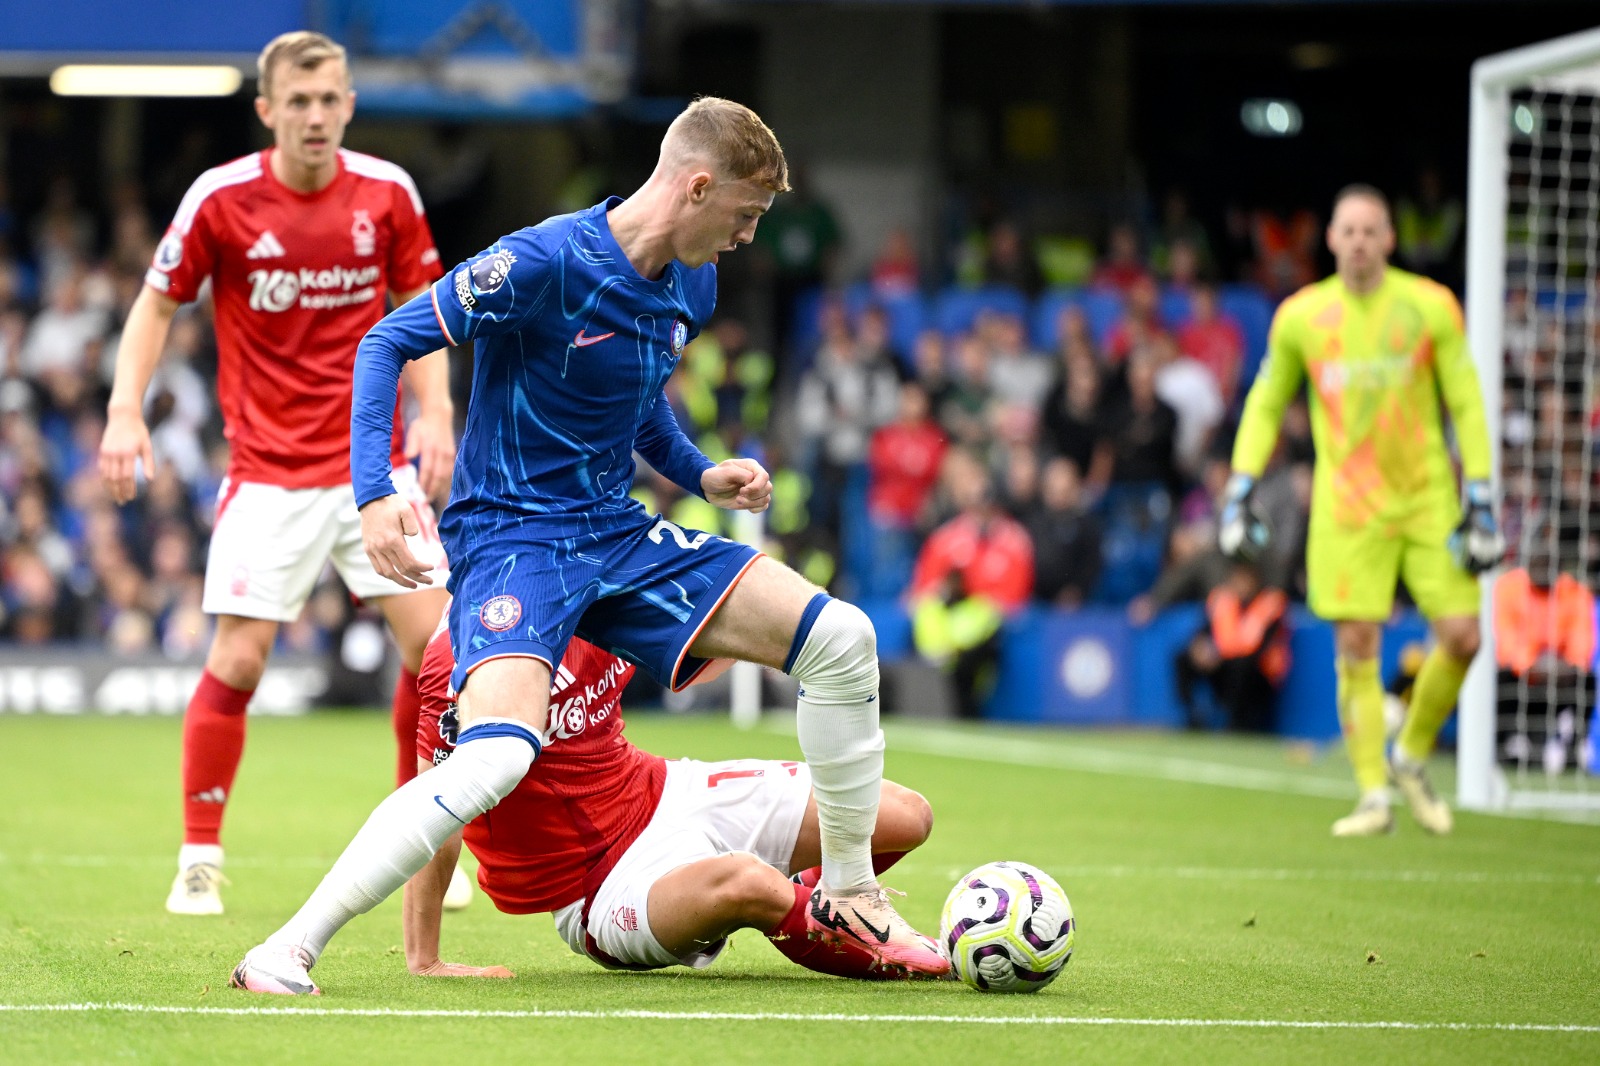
{"type": "Point", "coordinates": [297, 279]}
{"type": "Point", "coordinates": [586, 799]}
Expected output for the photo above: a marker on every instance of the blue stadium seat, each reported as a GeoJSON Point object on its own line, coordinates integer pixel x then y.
{"type": "Point", "coordinates": [1101, 307]}
{"type": "Point", "coordinates": [1251, 308]}
{"type": "Point", "coordinates": [1134, 542]}
{"type": "Point", "coordinates": [957, 309]}
{"type": "Point", "coordinates": [908, 315]}
{"type": "Point", "coordinates": [1174, 307]}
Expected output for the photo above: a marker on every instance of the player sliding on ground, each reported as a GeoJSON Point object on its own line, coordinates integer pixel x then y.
{"type": "Point", "coordinates": [302, 243]}
{"type": "Point", "coordinates": [578, 323]}
{"type": "Point", "coordinates": [1379, 348]}
{"type": "Point", "coordinates": [644, 862]}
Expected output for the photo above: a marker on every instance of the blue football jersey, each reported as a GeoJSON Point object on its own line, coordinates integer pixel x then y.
{"type": "Point", "coordinates": [572, 351]}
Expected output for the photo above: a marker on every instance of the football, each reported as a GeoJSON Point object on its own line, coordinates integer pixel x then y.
{"type": "Point", "coordinates": [1007, 927]}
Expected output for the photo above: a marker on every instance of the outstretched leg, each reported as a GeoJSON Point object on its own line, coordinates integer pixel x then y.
{"type": "Point", "coordinates": [503, 713]}
{"type": "Point", "coordinates": [777, 618]}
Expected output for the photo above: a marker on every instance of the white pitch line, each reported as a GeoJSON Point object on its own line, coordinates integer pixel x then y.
{"type": "Point", "coordinates": [781, 1016]}
{"type": "Point", "coordinates": [1022, 752]}
{"type": "Point", "coordinates": [1062, 869]}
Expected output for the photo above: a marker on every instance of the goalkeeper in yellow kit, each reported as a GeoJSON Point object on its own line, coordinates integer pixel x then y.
{"type": "Point", "coordinates": [1379, 349]}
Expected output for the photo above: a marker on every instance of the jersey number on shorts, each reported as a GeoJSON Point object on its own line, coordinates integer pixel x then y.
{"type": "Point", "coordinates": [728, 775]}
{"type": "Point", "coordinates": [677, 535]}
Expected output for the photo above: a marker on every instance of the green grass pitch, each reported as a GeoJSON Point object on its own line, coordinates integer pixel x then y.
{"type": "Point", "coordinates": [1219, 921]}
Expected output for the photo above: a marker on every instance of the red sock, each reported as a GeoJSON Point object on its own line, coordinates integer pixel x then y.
{"type": "Point", "coordinates": [824, 956]}
{"type": "Point", "coordinates": [213, 741]}
{"type": "Point", "coordinates": [880, 862]}
{"type": "Point", "coordinates": [407, 709]}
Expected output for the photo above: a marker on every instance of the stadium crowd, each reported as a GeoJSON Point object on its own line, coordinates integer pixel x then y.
{"type": "Point", "coordinates": [1031, 422]}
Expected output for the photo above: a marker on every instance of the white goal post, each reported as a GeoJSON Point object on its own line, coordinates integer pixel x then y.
{"type": "Point", "coordinates": [1533, 245]}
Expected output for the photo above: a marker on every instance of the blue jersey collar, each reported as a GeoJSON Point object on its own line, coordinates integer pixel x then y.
{"type": "Point", "coordinates": [624, 264]}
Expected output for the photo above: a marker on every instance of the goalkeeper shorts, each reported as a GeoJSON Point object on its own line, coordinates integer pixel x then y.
{"type": "Point", "coordinates": [1351, 573]}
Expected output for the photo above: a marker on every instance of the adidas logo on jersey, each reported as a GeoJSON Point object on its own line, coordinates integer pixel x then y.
{"type": "Point", "coordinates": [266, 247]}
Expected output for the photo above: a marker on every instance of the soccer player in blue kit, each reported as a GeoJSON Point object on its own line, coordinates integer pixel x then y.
{"type": "Point", "coordinates": [578, 323]}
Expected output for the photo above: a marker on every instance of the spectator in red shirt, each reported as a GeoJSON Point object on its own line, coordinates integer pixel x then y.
{"type": "Point", "coordinates": [973, 571]}
{"type": "Point", "coordinates": [1212, 337]}
{"type": "Point", "coordinates": [903, 468]}
{"type": "Point", "coordinates": [1140, 322]}
{"type": "Point", "coordinates": [895, 272]}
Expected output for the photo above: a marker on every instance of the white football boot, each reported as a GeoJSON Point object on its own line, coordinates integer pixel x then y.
{"type": "Point", "coordinates": [276, 969]}
{"type": "Point", "coordinates": [1411, 778]}
{"type": "Point", "coordinates": [1371, 817]}
{"type": "Point", "coordinates": [197, 889]}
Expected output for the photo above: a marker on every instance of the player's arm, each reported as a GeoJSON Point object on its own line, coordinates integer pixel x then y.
{"type": "Point", "coordinates": [1477, 542]}
{"type": "Point", "coordinates": [126, 437]}
{"type": "Point", "coordinates": [422, 910]}
{"type": "Point", "coordinates": [733, 484]}
{"type": "Point", "coordinates": [1241, 532]}
{"type": "Point", "coordinates": [408, 333]}
{"type": "Point", "coordinates": [431, 437]}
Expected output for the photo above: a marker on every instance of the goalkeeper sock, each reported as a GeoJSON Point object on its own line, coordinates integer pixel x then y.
{"type": "Point", "coordinates": [213, 744]}
{"type": "Point", "coordinates": [1361, 718]}
{"type": "Point", "coordinates": [838, 958]}
{"type": "Point", "coordinates": [834, 656]}
{"type": "Point", "coordinates": [405, 830]}
{"type": "Point", "coordinates": [405, 711]}
{"type": "Point", "coordinates": [1433, 701]}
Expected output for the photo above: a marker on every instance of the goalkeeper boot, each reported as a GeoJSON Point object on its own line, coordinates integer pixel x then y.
{"type": "Point", "coordinates": [459, 894]}
{"type": "Point", "coordinates": [276, 969]}
{"type": "Point", "coordinates": [1411, 778]}
{"type": "Point", "coordinates": [196, 889]}
{"type": "Point", "coordinates": [1371, 817]}
{"type": "Point", "coordinates": [867, 917]}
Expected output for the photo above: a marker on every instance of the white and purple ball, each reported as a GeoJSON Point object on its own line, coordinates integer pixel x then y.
{"type": "Point", "coordinates": [1007, 927]}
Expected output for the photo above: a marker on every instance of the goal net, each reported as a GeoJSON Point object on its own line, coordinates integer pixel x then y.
{"type": "Point", "coordinates": [1533, 319]}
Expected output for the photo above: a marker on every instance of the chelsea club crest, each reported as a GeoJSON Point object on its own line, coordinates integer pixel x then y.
{"type": "Point", "coordinates": [500, 613]}
{"type": "Point", "coordinates": [680, 336]}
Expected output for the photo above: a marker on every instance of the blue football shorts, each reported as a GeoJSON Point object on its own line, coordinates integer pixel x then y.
{"type": "Point", "coordinates": [642, 589]}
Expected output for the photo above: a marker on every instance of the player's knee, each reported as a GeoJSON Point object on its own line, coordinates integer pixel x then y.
{"type": "Point", "coordinates": [1462, 642]}
{"type": "Point", "coordinates": [237, 661]}
{"type": "Point", "coordinates": [489, 766]}
{"type": "Point", "coordinates": [909, 820]}
{"type": "Point", "coordinates": [1358, 640]}
{"type": "Point", "coordinates": [839, 659]}
{"type": "Point", "coordinates": [740, 885]}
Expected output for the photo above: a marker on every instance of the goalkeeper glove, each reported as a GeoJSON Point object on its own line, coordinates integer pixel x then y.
{"type": "Point", "coordinates": [1476, 543]}
{"type": "Point", "coordinates": [1242, 531]}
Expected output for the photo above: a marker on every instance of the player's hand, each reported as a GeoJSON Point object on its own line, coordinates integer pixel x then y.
{"type": "Point", "coordinates": [1477, 543]}
{"type": "Point", "coordinates": [1242, 530]}
{"type": "Point", "coordinates": [125, 441]}
{"type": "Point", "coordinates": [458, 969]}
{"type": "Point", "coordinates": [385, 524]}
{"type": "Point", "coordinates": [738, 485]}
{"type": "Point", "coordinates": [431, 440]}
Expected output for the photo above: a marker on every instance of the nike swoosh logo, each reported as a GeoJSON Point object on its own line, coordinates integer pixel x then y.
{"type": "Point", "coordinates": [440, 801]}
{"type": "Point", "coordinates": [580, 341]}
{"type": "Point", "coordinates": [881, 935]}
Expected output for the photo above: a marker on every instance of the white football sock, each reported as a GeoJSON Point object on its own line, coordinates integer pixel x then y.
{"type": "Point", "coordinates": [405, 830]}
{"type": "Point", "coordinates": [190, 854]}
{"type": "Point", "coordinates": [837, 723]}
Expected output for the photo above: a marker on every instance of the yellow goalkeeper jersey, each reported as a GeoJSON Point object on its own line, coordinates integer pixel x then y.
{"type": "Point", "coordinates": [1377, 367]}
